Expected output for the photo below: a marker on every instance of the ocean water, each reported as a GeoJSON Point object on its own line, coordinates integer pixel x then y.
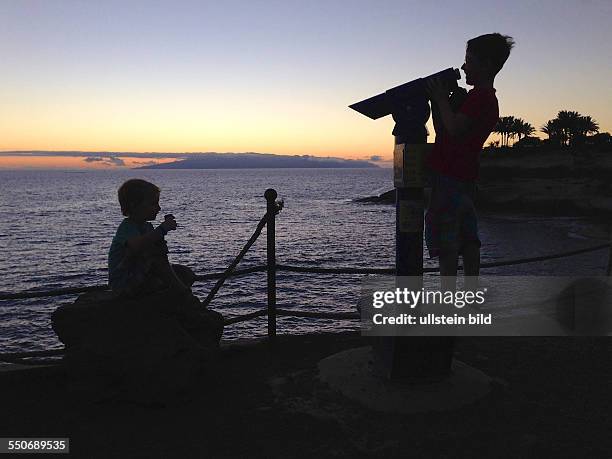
{"type": "Point", "coordinates": [56, 227]}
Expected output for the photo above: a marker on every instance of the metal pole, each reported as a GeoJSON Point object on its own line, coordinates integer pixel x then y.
{"type": "Point", "coordinates": [271, 196]}
{"type": "Point", "coordinates": [403, 356]}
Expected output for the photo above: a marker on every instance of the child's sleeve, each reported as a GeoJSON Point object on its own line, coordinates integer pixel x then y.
{"type": "Point", "coordinates": [125, 232]}
{"type": "Point", "coordinates": [474, 106]}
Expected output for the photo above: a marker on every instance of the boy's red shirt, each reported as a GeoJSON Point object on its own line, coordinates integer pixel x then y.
{"type": "Point", "coordinates": [459, 157]}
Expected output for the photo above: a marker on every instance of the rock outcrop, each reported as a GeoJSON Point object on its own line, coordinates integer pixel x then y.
{"type": "Point", "coordinates": [144, 348]}
{"type": "Point", "coordinates": [545, 184]}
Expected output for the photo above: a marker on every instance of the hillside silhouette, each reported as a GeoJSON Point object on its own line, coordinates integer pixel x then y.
{"type": "Point", "coordinates": [258, 160]}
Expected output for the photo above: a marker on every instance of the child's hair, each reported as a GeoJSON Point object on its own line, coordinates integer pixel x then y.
{"type": "Point", "coordinates": [492, 47]}
{"type": "Point", "coordinates": [133, 192]}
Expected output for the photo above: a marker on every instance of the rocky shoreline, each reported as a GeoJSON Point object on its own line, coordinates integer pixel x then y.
{"type": "Point", "coordinates": [551, 184]}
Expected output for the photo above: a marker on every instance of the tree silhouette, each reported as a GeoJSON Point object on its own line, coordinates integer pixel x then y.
{"type": "Point", "coordinates": [510, 127]}
{"type": "Point", "coordinates": [568, 121]}
{"type": "Point", "coordinates": [505, 127]}
{"type": "Point", "coordinates": [554, 132]}
{"type": "Point", "coordinates": [585, 125]}
{"type": "Point", "coordinates": [522, 129]}
{"type": "Point", "coordinates": [570, 128]}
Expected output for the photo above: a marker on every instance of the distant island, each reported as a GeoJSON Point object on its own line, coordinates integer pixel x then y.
{"type": "Point", "coordinates": [258, 161]}
{"type": "Point", "coordinates": [203, 160]}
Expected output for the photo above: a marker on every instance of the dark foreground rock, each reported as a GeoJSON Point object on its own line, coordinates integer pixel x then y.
{"type": "Point", "coordinates": [142, 349]}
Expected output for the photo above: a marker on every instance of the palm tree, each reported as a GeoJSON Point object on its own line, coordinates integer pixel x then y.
{"type": "Point", "coordinates": [512, 131]}
{"type": "Point", "coordinates": [550, 129]}
{"type": "Point", "coordinates": [569, 122]}
{"type": "Point", "coordinates": [570, 127]}
{"type": "Point", "coordinates": [554, 131]}
{"type": "Point", "coordinates": [522, 128]}
{"type": "Point", "coordinates": [505, 127]}
{"type": "Point", "coordinates": [584, 126]}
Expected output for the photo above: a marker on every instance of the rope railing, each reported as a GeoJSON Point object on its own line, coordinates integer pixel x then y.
{"type": "Point", "coordinates": [95, 288]}
{"type": "Point", "coordinates": [245, 317]}
{"type": "Point", "coordinates": [48, 293]}
{"type": "Point", "coordinates": [303, 269]}
{"type": "Point", "coordinates": [318, 315]}
{"type": "Point", "coordinates": [339, 270]}
{"type": "Point", "coordinates": [234, 263]}
{"type": "Point", "coordinates": [21, 355]}
{"type": "Point", "coordinates": [234, 273]}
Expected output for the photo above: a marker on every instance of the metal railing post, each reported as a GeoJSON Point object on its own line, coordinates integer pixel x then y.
{"type": "Point", "coordinates": [271, 196]}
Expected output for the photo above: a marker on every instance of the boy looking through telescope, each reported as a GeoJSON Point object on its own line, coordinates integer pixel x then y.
{"type": "Point", "coordinates": [451, 224]}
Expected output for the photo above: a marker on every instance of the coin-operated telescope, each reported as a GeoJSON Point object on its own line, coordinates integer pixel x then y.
{"type": "Point", "coordinates": [409, 105]}
{"type": "Point", "coordinates": [406, 103]}
{"type": "Point", "coordinates": [384, 104]}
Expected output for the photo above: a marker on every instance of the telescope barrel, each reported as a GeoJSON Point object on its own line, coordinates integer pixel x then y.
{"type": "Point", "coordinates": [383, 104]}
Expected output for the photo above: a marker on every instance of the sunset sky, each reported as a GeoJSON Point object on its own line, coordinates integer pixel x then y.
{"type": "Point", "coordinates": [272, 76]}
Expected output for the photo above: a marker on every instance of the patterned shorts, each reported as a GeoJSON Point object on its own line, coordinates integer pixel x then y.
{"type": "Point", "coordinates": [450, 221]}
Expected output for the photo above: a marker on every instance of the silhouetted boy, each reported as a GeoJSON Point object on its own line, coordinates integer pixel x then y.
{"type": "Point", "coordinates": [138, 256]}
{"type": "Point", "coordinates": [451, 225]}
{"type": "Point", "coordinates": [138, 263]}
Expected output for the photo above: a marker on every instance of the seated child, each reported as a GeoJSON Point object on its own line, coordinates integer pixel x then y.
{"type": "Point", "coordinates": [138, 256]}
{"type": "Point", "coordinates": [138, 262]}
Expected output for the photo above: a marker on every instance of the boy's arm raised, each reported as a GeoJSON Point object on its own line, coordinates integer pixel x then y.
{"type": "Point", "coordinates": [456, 124]}
{"type": "Point", "coordinates": [435, 115]}
{"type": "Point", "coordinates": [139, 244]}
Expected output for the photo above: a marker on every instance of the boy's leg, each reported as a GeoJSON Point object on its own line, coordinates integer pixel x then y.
{"type": "Point", "coordinates": [184, 273]}
{"type": "Point", "coordinates": [441, 231]}
{"type": "Point", "coordinates": [471, 265]}
{"type": "Point", "coordinates": [471, 259]}
{"type": "Point", "coordinates": [471, 242]}
{"type": "Point", "coordinates": [448, 268]}
{"type": "Point", "coordinates": [164, 271]}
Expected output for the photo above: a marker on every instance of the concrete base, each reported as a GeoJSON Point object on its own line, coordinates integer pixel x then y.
{"type": "Point", "coordinates": [352, 373]}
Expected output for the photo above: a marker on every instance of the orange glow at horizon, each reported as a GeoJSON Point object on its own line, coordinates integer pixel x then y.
{"type": "Point", "coordinates": [65, 162]}
{"type": "Point", "coordinates": [358, 138]}
{"type": "Point", "coordinates": [128, 119]}
{"type": "Point", "coordinates": [372, 148]}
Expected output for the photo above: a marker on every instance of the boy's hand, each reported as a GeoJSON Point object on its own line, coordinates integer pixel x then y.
{"type": "Point", "coordinates": [457, 98]}
{"type": "Point", "coordinates": [437, 90]}
{"type": "Point", "coordinates": [169, 223]}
